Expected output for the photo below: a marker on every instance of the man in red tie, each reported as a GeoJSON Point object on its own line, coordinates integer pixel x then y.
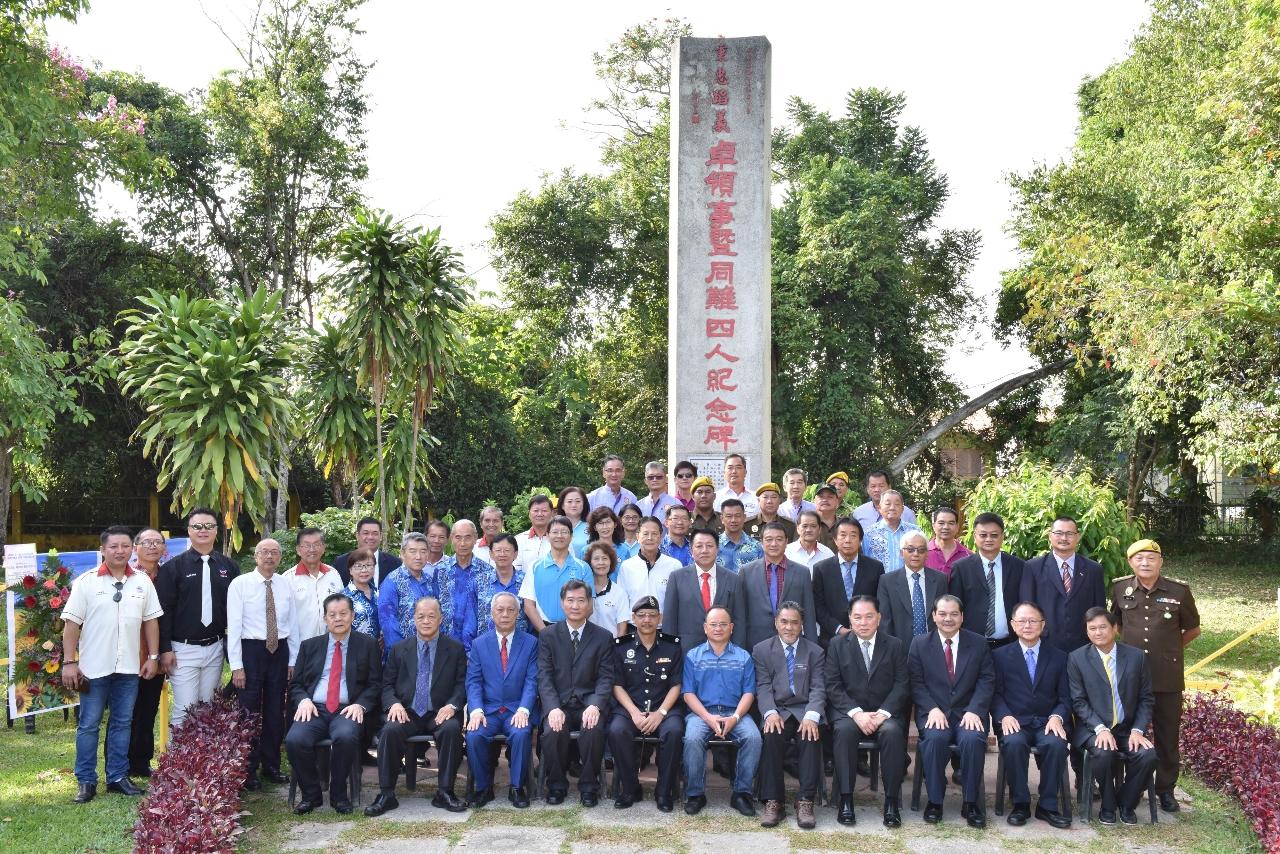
{"type": "Point", "coordinates": [335, 684]}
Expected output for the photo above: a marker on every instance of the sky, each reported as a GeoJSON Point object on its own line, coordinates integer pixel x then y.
{"type": "Point", "coordinates": [473, 102]}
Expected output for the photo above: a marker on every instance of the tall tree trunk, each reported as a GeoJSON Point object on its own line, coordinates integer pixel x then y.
{"type": "Point", "coordinates": [282, 490]}
{"type": "Point", "coordinates": [6, 484]}
{"type": "Point", "coordinates": [382, 471]}
{"type": "Point", "coordinates": [412, 479]}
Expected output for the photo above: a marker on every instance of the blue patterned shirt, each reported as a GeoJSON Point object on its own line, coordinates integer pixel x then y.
{"type": "Point", "coordinates": [684, 553]}
{"type": "Point", "coordinates": [718, 681]}
{"type": "Point", "coordinates": [733, 555]}
{"type": "Point", "coordinates": [457, 593]}
{"type": "Point", "coordinates": [366, 610]}
{"type": "Point", "coordinates": [885, 545]}
{"type": "Point", "coordinates": [487, 586]}
{"type": "Point", "coordinates": [627, 550]}
{"type": "Point", "coordinates": [396, 598]}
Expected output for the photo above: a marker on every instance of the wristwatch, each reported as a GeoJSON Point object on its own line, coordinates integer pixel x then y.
{"type": "Point", "coordinates": [155, 656]}
{"type": "Point", "coordinates": [662, 712]}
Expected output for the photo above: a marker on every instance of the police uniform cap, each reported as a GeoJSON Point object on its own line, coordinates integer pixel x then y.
{"type": "Point", "coordinates": [646, 603]}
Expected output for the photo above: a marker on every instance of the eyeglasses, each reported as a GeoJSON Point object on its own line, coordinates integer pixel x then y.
{"type": "Point", "coordinates": [268, 551]}
{"type": "Point", "coordinates": [718, 625]}
{"type": "Point", "coordinates": [151, 544]}
{"type": "Point", "coordinates": [119, 585]}
{"type": "Point", "coordinates": [356, 566]}
{"type": "Point", "coordinates": [685, 474]}
{"type": "Point", "coordinates": [915, 550]}
{"type": "Point", "coordinates": [656, 476]}
{"type": "Point", "coordinates": [1028, 622]}
{"type": "Point", "coordinates": [1065, 533]}
{"type": "Point", "coordinates": [203, 526]}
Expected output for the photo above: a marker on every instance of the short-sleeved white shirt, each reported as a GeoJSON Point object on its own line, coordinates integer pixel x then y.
{"type": "Point", "coordinates": [610, 608]}
{"type": "Point", "coordinates": [639, 581]}
{"type": "Point", "coordinates": [110, 631]}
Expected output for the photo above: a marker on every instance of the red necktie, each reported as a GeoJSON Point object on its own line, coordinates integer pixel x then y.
{"type": "Point", "coordinates": [335, 679]}
{"type": "Point", "coordinates": [1066, 577]}
{"type": "Point", "coordinates": [951, 662]}
{"type": "Point", "coordinates": [503, 653]}
{"type": "Point", "coordinates": [706, 591]}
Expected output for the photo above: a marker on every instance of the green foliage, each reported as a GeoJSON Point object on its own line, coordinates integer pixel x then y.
{"type": "Point", "coordinates": [211, 376]}
{"type": "Point", "coordinates": [341, 433]}
{"type": "Point", "coordinates": [339, 526]}
{"type": "Point", "coordinates": [1032, 494]}
{"type": "Point", "coordinates": [1155, 245]}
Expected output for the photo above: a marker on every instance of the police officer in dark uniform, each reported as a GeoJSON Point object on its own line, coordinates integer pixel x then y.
{"type": "Point", "coordinates": [1158, 615]}
{"type": "Point", "coordinates": [755, 525]}
{"type": "Point", "coordinates": [648, 665]}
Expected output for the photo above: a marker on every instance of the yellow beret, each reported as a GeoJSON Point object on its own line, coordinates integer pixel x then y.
{"type": "Point", "coordinates": [768, 487]}
{"type": "Point", "coordinates": [702, 481]}
{"type": "Point", "coordinates": [1143, 546]}
{"type": "Point", "coordinates": [839, 476]}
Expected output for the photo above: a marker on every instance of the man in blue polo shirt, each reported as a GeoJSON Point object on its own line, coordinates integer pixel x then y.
{"type": "Point", "coordinates": [540, 589]}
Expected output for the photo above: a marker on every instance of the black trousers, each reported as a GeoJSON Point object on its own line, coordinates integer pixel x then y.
{"type": "Point", "coordinates": [555, 752]}
{"type": "Point", "coordinates": [1016, 749]}
{"type": "Point", "coordinates": [142, 733]}
{"type": "Point", "coordinates": [891, 738]}
{"type": "Point", "coordinates": [1166, 721]}
{"type": "Point", "coordinates": [622, 733]}
{"type": "Point", "coordinates": [266, 680]}
{"type": "Point", "coordinates": [300, 742]}
{"type": "Point", "coordinates": [1139, 765]}
{"type": "Point", "coordinates": [394, 741]}
{"type": "Point", "coordinates": [772, 757]}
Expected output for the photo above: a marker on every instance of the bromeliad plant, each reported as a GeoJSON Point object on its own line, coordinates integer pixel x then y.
{"type": "Point", "coordinates": [211, 377]}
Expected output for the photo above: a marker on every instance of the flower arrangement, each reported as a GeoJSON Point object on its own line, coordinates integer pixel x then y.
{"type": "Point", "coordinates": [37, 610]}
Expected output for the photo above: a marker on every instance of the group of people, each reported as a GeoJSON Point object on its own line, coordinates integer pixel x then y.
{"type": "Point", "coordinates": [687, 619]}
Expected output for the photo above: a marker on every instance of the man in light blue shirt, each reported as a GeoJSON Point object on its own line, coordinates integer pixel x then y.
{"type": "Point", "coordinates": [884, 539]}
{"type": "Point", "coordinates": [612, 494]}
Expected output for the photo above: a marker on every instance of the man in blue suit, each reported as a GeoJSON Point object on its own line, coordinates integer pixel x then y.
{"type": "Point", "coordinates": [1032, 708]}
{"type": "Point", "coordinates": [1064, 584]}
{"type": "Point", "coordinates": [952, 681]}
{"type": "Point", "coordinates": [502, 694]}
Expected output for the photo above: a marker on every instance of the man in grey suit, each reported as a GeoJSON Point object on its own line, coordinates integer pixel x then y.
{"type": "Point", "coordinates": [791, 696]}
{"type": "Point", "coordinates": [907, 595]}
{"type": "Point", "coordinates": [693, 590]}
{"type": "Point", "coordinates": [765, 584]}
{"type": "Point", "coordinates": [1111, 696]}
{"type": "Point", "coordinates": [575, 686]}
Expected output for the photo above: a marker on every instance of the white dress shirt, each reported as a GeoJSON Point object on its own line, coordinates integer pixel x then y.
{"type": "Point", "coordinates": [750, 504]}
{"type": "Point", "coordinates": [308, 598]}
{"type": "Point", "coordinates": [871, 653]}
{"type": "Point", "coordinates": [247, 615]}
{"type": "Point", "coordinates": [797, 552]}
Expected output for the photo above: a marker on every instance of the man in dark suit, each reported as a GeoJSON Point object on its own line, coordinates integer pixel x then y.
{"type": "Point", "coordinates": [423, 689]}
{"type": "Point", "coordinates": [1064, 584]}
{"type": "Point", "coordinates": [693, 590]}
{"type": "Point", "coordinates": [368, 536]}
{"type": "Point", "coordinates": [837, 580]}
{"type": "Point", "coordinates": [764, 585]}
{"type": "Point", "coordinates": [988, 582]}
{"type": "Point", "coordinates": [907, 595]}
{"type": "Point", "coordinates": [1111, 695]}
{"type": "Point", "coordinates": [952, 682]}
{"type": "Point", "coordinates": [791, 696]}
{"type": "Point", "coordinates": [868, 691]}
{"type": "Point", "coordinates": [335, 684]}
{"type": "Point", "coordinates": [1032, 708]}
{"type": "Point", "coordinates": [502, 694]}
{"type": "Point", "coordinates": [575, 684]}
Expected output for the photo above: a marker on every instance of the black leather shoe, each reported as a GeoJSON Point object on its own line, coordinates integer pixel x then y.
{"type": "Point", "coordinates": [304, 806]}
{"type": "Point", "coordinates": [554, 798]}
{"type": "Point", "coordinates": [278, 777]}
{"type": "Point", "coordinates": [343, 807]}
{"type": "Point", "coordinates": [1168, 802]}
{"type": "Point", "coordinates": [1056, 819]}
{"type": "Point", "coordinates": [622, 802]}
{"type": "Point", "coordinates": [932, 813]}
{"type": "Point", "coordinates": [845, 814]}
{"type": "Point", "coordinates": [447, 800]}
{"type": "Point", "coordinates": [519, 797]}
{"type": "Point", "coordinates": [124, 786]}
{"type": "Point", "coordinates": [665, 804]}
{"type": "Point", "coordinates": [742, 803]}
{"type": "Point", "coordinates": [588, 799]}
{"type": "Point", "coordinates": [252, 784]}
{"type": "Point", "coordinates": [976, 817]}
{"type": "Point", "coordinates": [694, 805]}
{"type": "Point", "coordinates": [86, 793]}
{"type": "Point", "coordinates": [1107, 816]}
{"type": "Point", "coordinates": [1019, 814]}
{"type": "Point", "coordinates": [479, 799]}
{"type": "Point", "coordinates": [1128, 816]}
{"type": "Point", "coordinates": [892, 817]}
{"type": "Point", "coordinates": [381, 804]}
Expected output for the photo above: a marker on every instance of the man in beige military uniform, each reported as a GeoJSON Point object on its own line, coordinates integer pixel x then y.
{"type": "Point", "coordinates": [1158, 615]}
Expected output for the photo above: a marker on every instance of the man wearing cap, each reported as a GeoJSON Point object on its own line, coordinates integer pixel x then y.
{"type": "Point", "coordinates": [1158, 615]}
{"type": "Point", "coordinates": [735, 475]}
{"type": "Point", "coordinates": [648, 665]}
{"type": "Point", "coordinates": [705, 518]}
{"type": "Point", "coordinates": [826, 503]}
{"type": "Point", "coordinates": [769, 496]}
{"type": "Point", "coordinates": [839, 481]}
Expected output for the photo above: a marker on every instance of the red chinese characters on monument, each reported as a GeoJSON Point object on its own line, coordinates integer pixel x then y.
{"type": "Point", "coordinates": [721, 302]}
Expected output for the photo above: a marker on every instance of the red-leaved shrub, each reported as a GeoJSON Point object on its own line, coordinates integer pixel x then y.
{"type": "Point", "coordinates": [193, 803]}
{"type": "Point", "coordinates": [1236, 755]}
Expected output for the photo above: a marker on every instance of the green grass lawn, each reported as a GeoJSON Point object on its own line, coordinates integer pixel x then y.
{"type": "Point", "coordinates": [36, 782]}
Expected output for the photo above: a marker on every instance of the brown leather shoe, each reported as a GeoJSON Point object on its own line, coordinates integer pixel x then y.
{"type": "Point", "coordinates": [804, 815]}
{"type": "Point", "coordinates": [773, 814]}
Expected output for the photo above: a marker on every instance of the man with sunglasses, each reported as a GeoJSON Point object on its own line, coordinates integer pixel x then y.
{"type": "Point", "coordinates": [101, 647]}
{"type": "Point", "coordinates": [193, 593]}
